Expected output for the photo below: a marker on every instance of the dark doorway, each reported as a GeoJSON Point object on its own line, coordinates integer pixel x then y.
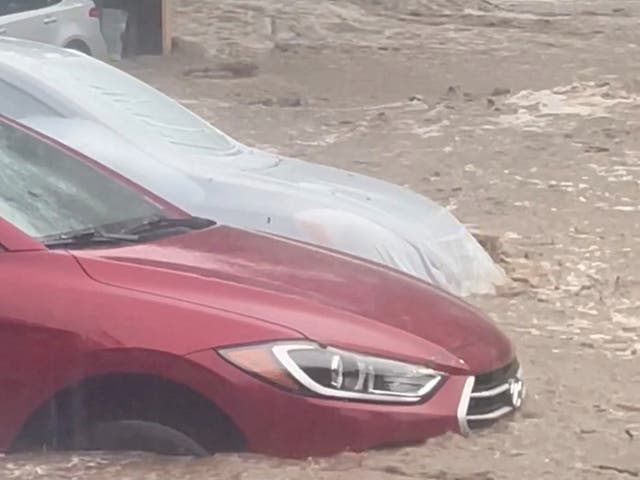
{"type": "Point", "coordinates": [143, 34]}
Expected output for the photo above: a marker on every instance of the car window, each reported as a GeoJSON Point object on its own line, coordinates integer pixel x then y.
{"type": "Point", "coordinates": [16, 103]}
{"type": "Point", "coordinates": [8, 7]}
{"type": "Point", "coordinates": [46, 191]}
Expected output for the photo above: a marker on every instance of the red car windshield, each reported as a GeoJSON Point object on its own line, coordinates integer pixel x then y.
{"type": "Point", "coordinates": [45, 191]}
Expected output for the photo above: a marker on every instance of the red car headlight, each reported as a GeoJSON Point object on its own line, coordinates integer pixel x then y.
{"type": "Point", "coordinates": [330, 372]}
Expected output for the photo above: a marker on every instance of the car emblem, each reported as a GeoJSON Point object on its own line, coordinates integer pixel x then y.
{"type": "Point", "coordinates": [517, 392]}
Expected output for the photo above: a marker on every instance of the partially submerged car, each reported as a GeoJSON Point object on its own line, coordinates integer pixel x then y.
{"type": "Point", "coordinates": [73, 24]}
{"type": "Point", "coordinates": [127, 324]}
{"type": "Point", "coordinates": [143, 134]}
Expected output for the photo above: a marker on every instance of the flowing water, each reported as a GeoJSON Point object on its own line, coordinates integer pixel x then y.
{"type": "Point", "coordinates": [523, 117]}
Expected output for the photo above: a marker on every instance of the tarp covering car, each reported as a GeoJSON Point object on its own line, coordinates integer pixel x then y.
{"type": "Point", "coordinates": [153, 140]}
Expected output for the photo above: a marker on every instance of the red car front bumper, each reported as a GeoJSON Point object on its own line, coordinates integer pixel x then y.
{"type": "Point", "coordinates": [276, 422]}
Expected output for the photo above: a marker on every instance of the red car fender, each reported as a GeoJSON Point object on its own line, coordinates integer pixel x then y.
{"type": "Point", "coordinates": [281, 423]}
{"type": "Point", "coordinates": [177, 369]}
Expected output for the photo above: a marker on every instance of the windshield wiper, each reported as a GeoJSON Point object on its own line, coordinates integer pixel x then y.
{"type": "Point", "coordinates": [137, 233]}
{"type": "Point", "coordinates": [159, 223]}
{"type": "Point", "coordinates": [88, 238]}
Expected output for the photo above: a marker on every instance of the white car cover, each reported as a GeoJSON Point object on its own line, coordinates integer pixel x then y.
{"type": "Point", "coordinates": [151, 139]}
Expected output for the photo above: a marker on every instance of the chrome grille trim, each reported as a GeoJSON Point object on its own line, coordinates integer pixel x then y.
{"type": "Point", "coordinates": [496, 401]}
{"type": "Point", "coordinates": [491, 393]}
{"type": "Point", "coordinates": [463, 406]}
{"type": "Point", "coordinates": [491, 416]}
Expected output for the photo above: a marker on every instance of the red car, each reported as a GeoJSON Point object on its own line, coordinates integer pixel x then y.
{"type": "Point", "coordinates": [126, 324]}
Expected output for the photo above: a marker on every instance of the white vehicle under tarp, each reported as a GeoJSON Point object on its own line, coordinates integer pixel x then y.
{"type": "Point", "coordinates": [151, 139]}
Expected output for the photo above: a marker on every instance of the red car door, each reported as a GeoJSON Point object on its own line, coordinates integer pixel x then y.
{"type": "Point", "coordinates": [45, 192]}
{"type": "Point", "coordinates": [25, 347]}
{"type": "Point", "coordinates": [38, 353]}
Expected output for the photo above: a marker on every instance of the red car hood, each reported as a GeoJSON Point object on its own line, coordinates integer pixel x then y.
{"type": "Point", "coordinates": [326, 297]}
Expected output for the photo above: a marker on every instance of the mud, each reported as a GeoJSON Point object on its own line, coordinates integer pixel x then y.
{"type": "Point", "coordinates": [524, 119]}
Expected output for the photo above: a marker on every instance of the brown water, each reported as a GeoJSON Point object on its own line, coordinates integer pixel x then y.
{"type": "Point", "coordinates": [537, 140]}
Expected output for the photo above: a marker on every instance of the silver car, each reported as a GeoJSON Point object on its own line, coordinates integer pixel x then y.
{"type": "Point", "coordinates": [71, 24]}
{"type": "Point", "coordinates": [151, 139]}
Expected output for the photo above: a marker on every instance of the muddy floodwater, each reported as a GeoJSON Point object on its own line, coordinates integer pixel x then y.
{"type": "Point", "coordinates": [524, 119]}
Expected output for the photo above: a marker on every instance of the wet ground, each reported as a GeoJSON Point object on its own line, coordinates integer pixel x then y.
{"type": "Point", "coordinates": [524, 119]}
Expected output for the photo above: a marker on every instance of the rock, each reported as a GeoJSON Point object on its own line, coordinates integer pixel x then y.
{"type": "Point", "coordinates": [382, 117]}
{"type": "Point", "coordinates": [197, 72]}
{"type": "Point", "coordinates": [222, 70]}
{"type": "Point", "coordinates": [265, 102]}
{"type": "Point", "coordinates": [189, 48]}
{"type": "Point", "coordinates": [510, 290]}
{"type": "Point", "coordinates": [344, 462]}
{"type": "Point", "coordinates": [490, 242]}
{"type": "Point", "coordinates": [629, 408]}
{"type": "Point", "coordinates": [620, 470]}
{"type": "Point", "coordinates": [291, 101]}
{"type": "Point", "coordinates": [240, 68]}
{"type": "Point", "coordinates": [595, 149]}
{"type": "Point", "coordinates": [394, 470]}
{"type": "Point", "coordinates": [285, 46]}
{"type": "Point", "coordinates": [500, 91]}
{"type": "Point", "coordinates": [454, 91]}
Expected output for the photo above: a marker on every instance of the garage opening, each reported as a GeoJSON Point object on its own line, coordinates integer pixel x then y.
{"type": "Point", "coordinates": [136, 27]}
